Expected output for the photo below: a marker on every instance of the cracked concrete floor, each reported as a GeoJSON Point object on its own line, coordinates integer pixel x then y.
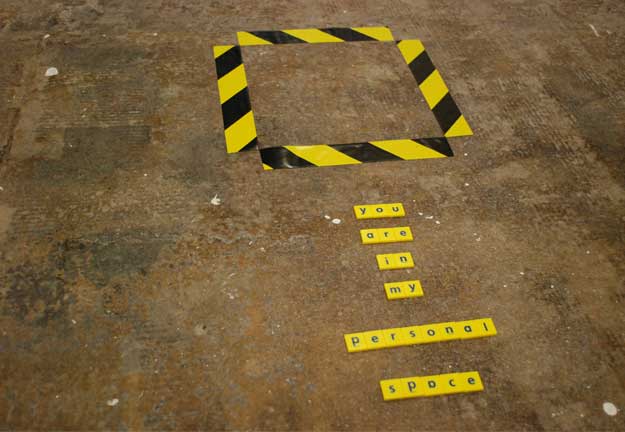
{"type": "Point", "coordinates": [121, 281]}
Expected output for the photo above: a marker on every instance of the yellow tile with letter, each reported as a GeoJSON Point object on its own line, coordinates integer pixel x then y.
{"type": "Point", "coordinates": [374, 339]}
{"type": "Point", "coordinates": [402, 234]}
{"type": "Point", "coordinates": [385, 235]}
{"type": "Point", "coordinates": [404, 260]}
{"type": "Point", "coordinates": [393, 337]}
{"type": "Point", "coordinates": [395, 261]}
{"type": "Point", "coordinates": [402, 290]}
{"type": "Point", "coordinates": [411, 335]}
{"type": "Point", "coordinates": [377, 211]}
{"type": "Point", "coordinates": [385, 261]}
{"type": "Point", "coordinates": [469, 382]}
{"type": "Point", "coordinates": [478, 328]}
{"type": "Point", "coordinates": [370, 236]}
{"type": "Point", "coordinates": [392, 389]}
{"type": "Point", "coordinates": [432, 385]}
{"type": "Point", "coordinates": [422, 334]}
{"type": "Point", "coordinates": [355, 342]}
{"type": "Point", "coordinates": [439, 332]}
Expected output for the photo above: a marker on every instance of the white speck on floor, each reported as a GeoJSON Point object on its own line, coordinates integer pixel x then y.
{"type": "Point", "coordinates": [112, 402]}
{"type": "Point", "coordinates": [336, 221]}
{"type": "Point", "coordinates": [52, 71]}
{"type": "Point", "coordinates": [594, 30]}
{"type": "Point", "coordinates": [610, 409]}
{"type": "Point", "coordinates": [216, 201]}
{"type": "Point", "coordinates": [327, 217]}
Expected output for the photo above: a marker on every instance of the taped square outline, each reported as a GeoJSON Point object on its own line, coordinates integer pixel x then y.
{"type": "Point", "coordinates": [240, 129]}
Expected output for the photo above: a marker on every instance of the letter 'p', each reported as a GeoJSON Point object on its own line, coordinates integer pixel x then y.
{"type": "Point", "coordinates": [355, 342]}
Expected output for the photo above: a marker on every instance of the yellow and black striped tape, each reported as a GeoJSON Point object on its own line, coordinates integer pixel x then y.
{"type": "Point", "coordinates": [313, 35]}
{"type": "Point", "coordinates": [434, 90]}
{"type": "Point", "coordinates": [239, 126]}
{"type": "Point", "coordinates": [351, 154]}
{"type": "Point", "coordinates": [240, 129]}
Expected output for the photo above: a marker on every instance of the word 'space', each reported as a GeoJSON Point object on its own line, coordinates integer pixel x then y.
{"type": "Point", "coordinates": [433, 385]}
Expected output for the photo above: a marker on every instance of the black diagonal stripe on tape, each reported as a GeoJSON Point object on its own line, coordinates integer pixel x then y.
{"type": "Point", "coordinates": [228, 61]}
{"type": "Point", "coordinates": [446, 112]}
{"type": "Point", "coordinates": [440, 145]}
{"type": "Point", "coordinates": [347, 34]}
{"type": "Point", "coordinates": [365, 152]}
{"type": "Point", "coordinates": [280, 157]}
{"type": "Point", "coordinates": [236, 107]}
{"type": "Point", "coordinates": [421, 67]}
{"type": "Point", "coordinates": [250, 145]}
{"type": "Point", "coordinates": [277, 37]}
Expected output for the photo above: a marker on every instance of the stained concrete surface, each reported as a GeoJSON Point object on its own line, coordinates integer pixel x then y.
{"type": "Point", "coordinates": [120, 280]}
{"type": "Point", "coordinates": [334, 94]}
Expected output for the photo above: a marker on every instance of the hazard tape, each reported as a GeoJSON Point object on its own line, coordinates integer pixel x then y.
{"type": "Point", "coordinates": [326, 35]}
{"type": "Point", "coordinates": [240, 129]}
{"type": "Point", "coordinates": [351, 154]}
{"type": "Point", "coordinates": [434, 90]}
{"type": "Point", "coordinates": [236, 108]}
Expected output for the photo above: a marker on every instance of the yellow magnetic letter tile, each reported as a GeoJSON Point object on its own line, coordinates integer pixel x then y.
{"type": "Point", "coordinates": [385, 261]}
{"type": "Point", "coordinates": [411, 335]}
{"type": "Point", "coordinates": [422, 334]}
{"type": "Point", "coordinates": [393, 337]}
{"type": "Point", "coordinates": [402, 290]}
{"type": "Point", "coordinates": [402, 234]}
{"type": "Point", "coordinates": [392, 389]}
{"type": "Point", "coordinates": [403, 260]}
{"type": "Point", "coordinates": [439, 332]}
{"type": "Point", "coordinates": [395, 261]}
{"type": "Point", "coordinates": [469, 382]}
{"type": "Point", "coordinates": [394, 210]}
{"type": "Point", "coordinates": [374, 339]}
{"type": "Point", "coordinates": [370, 236]}
{"type": "Point", "coordinates": [376, 211]}
{"type": "Point", "coordinates": [411, 387]}
{"type": "Point", "coordinates": [385, 235]}
{"type": "Point", "coordinates": [355, 342]}
{"type": "Point", "coordinates": [433, 385]}
{"type": "Point", "coordinates": [477, 328]}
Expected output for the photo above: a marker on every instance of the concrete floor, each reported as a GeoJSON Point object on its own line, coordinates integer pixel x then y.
{"type": "Point", "coordinates": [120, 280]}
